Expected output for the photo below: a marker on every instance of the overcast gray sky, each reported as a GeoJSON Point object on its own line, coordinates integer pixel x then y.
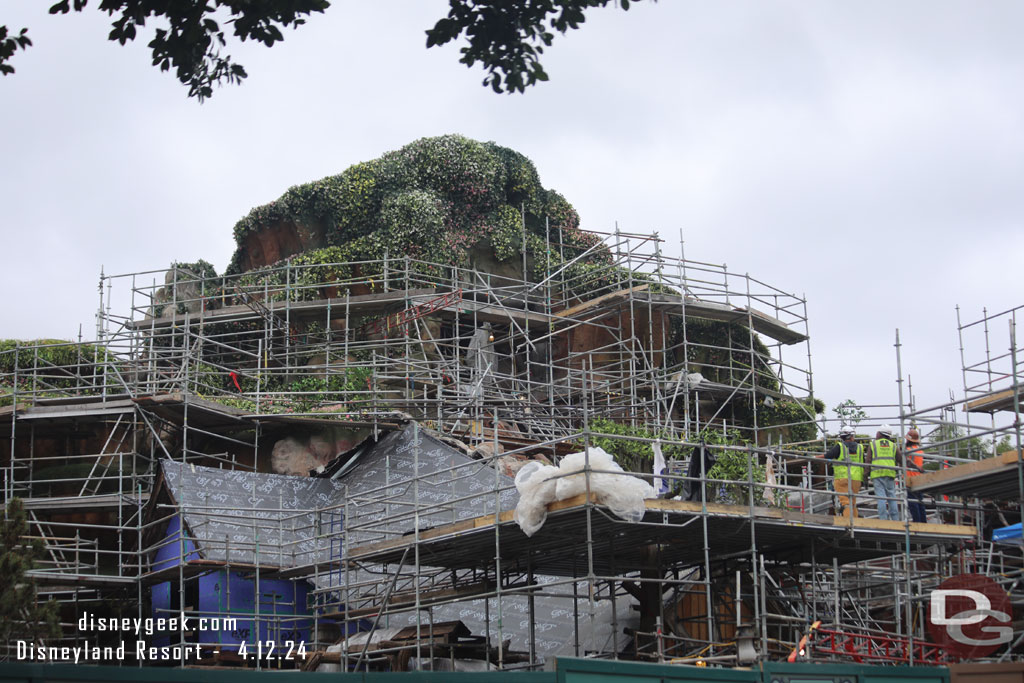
{"type": "Point", "coordinates": [869, 155]}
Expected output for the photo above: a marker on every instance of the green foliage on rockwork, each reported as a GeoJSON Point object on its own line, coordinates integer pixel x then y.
{"type": "Point", "coordinates": [350, 389]}
{"type": "Point", "coordinates": [65, 478]}
{"type": "Point", "coordinates": [721, 352]}
{"type": "Point", "coordinates": [433, 199]}
{"type": "Point", "coordinates": [729, 353]}
{"type": "Point", "coordinates": [198, 270]}
{"type": "Point", "coordinates": [48, 368]}
{"type": "Point", "coordinates": [738, 466]}
{"type": "Point", "coordinates": [38, 353]}
{"type": "Point", "coordinates": [191, 282]}
{"type": "Point", "coordinates": [797, 417]}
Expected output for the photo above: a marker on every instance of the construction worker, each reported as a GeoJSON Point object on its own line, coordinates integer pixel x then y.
{"type": "Point", "coordinates": [847, 473]}
{"type": "Point", "coordinates": [915, 466]}
{"type": "Point", "coordinates": [882, 458]}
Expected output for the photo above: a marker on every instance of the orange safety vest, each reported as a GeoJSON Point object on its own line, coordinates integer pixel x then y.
{"type": "Point", "coordinates": [916, 456]}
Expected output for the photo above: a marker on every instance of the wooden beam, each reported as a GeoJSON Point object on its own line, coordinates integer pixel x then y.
{"type": "Point", "coordinates": [964, 471]}
{"type": "Point", "coordinates": [990, 403]}
{"type": "Point", "coordinates": [593, 303]}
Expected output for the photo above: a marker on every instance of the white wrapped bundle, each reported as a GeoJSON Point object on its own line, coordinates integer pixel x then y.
{"type": "Point", "coordinates": [622, 493]}
{"type": "Point", "coordinates": [536, 489]}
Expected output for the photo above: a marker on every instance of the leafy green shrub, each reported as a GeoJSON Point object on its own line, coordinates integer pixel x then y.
{"type": "Point", "coordinates": [730, 465]}
{"type": "Point", "coordinates": [737, 466]}
{"type": "Point", "coordinates": [632, 456]}
{"type": "Point", "coordinates": [741, 467]}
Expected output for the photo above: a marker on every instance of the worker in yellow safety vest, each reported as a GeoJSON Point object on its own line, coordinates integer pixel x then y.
{"type": "Point", "coordinates": [882, 458]}
{"type": "Point", "coordinates": [847, 472]}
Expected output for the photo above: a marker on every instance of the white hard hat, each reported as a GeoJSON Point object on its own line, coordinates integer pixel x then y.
{"type": "Point", "coordinates": [885, 430]}
{"type": "Point", "coordinates": [846, 430]}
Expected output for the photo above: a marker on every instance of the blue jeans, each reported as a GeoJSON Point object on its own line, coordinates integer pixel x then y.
{"type": "Point", "coordinates": [915, 505]}
{"type": "Point", "coordinates": [885, 490]}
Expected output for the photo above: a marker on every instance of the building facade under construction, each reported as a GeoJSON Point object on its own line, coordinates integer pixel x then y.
{"type": "Point", "coordinates": [326, 466]}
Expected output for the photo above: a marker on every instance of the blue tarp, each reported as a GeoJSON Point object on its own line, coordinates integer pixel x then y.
{"type": "Point", "coordinates": [1010, 535]}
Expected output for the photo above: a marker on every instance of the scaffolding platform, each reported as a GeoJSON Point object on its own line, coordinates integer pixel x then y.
{"type": "Point", "coordinates": [71, 409]}
{"type": "Point", "coordinates": [710, 310]}
{"type": "Point", "coordinates": [641, 297]}
{"type": "Point", "coordinates": [994, 402]}
{"type": "Point", "coordinates": [674, 526]}
{"type": "Point", "coordinates": [193, 567]}
{"type": "Point", "coordinates": [101, 501]}
{"type": "Point", "coordinates": [994, 478]}
{"type": "Point", "coordinates": [316, 309]}
{"type": "Point", "coordinates": [496, 312]}
{"type": "Point", "coordinates": [177, 407]}
{"type": "Point", "coordinates": [62, 578]}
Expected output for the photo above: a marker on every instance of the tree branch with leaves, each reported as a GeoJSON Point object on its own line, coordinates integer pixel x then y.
{"type": "Point", "coordinates": [191, 37]}
{"type": "Point", "coordinates": [507, 38]}
{"type": "Point", "coordinates": [21, 615]}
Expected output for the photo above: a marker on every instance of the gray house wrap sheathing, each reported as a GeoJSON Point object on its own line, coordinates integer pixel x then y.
{"type": "Point", "coordinates": [383, 480]}
{"type": "Point", "coordinates": [381, 488]}
{"type": "Point", "coordinates": [230, 510]}
{"type": "Point", "coordinates": [233, 515]}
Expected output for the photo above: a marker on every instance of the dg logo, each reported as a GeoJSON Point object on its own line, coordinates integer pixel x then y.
{"type": "Point", "coordinates": [970, 616]}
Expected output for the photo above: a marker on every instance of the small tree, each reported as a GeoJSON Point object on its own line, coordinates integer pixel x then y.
{"type": "Point", "coordinates": [849, 413]}
{"type": "Point", "coordinates": [21, 615]}
{"type": "Point", "coordinates": [974, 448]}
{"type": "Point", "coordinates": [1005, 444]}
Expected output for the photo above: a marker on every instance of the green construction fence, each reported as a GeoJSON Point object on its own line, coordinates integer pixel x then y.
{"type": "Point", "coordinates": [562, 670]}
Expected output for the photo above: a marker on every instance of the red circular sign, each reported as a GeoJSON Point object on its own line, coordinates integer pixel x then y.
{"type": "Point", "coordinates": [970, 616]}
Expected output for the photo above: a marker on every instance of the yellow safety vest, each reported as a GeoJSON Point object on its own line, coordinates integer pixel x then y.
{"type": "Point", "coordinates": [852, 471]}
{"type": "Point", "coordinates": [883, 458]}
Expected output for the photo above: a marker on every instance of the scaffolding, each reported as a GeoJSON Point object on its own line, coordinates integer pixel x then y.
{"type": "Point", "coordinates": [215, 372]}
